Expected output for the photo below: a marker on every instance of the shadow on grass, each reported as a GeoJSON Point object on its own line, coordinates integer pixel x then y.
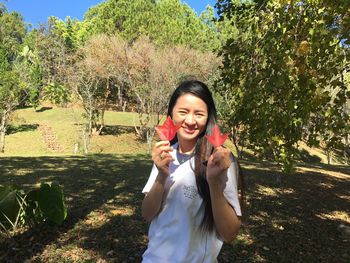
{"type": "Point", "coordinates": [342, 155]}
{"type": "Point", "coordinates": [12, 129]}
{"type": "Point", "coordinates": [293, 221]}
{"type": "Point", "coordinates": [42, 109]}
{"type": "Point", "coordinates": [305, 156]}
{"type": "Point", "coordinates": [116, 130]}
{"type": "Point", "coordinates": [90, 183]}
{"type": "Point", "coordinates": [344, 169]}
{"type": "Point", "coordinates": [301, 156]}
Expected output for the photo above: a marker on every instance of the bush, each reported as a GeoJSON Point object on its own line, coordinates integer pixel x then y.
{"type": "Point", "coordinates": [42, 204]}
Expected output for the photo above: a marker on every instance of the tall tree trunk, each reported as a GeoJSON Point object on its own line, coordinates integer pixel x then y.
{"type": "Point", "coordinates": [3, 131]}
{"type": "Point", "coordinates": [329, 156]}
{"type": "Point", "coordinates": [86, 140]}
{"type": "Point", "coordinates": [120, 97]}
{"type": "Point", "coordinates": [346, 148]}
{"type": "Point", "coordinates": [102, 114]}
{"type": "Point", "coordinates": [2, 140]}
{"type": "Point", "coordinates": [233, 139]}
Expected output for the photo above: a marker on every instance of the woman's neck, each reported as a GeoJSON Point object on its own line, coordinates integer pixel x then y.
{"type": "Point", "coordinates": [186, 147]}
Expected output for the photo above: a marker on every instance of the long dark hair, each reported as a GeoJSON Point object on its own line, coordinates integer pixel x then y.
{"type": "Point", "coordinates": [202, 149]}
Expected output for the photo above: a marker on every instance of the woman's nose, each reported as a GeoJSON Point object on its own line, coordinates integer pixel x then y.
{"type": "Point", "coordinates": [190, 120]}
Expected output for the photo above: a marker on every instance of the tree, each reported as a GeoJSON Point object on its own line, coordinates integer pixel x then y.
{"type": "Point", "coordinates": [282, 72]}
{"type": "Point", "coordinates": [12, 32]}
{"type": "Point", "coordinates": [99, 67]}
{"type": "Point", "coordinates": [178, 23]}
{"type": "Point", "coordinates": [50, 48]}
{"type": "Point", "coordinates": [70, 32]}
{"type": "Point", "coordinates": [154, 74]}
{"type": "Point", "coordinates": [128, 19]}
{"type": "Point", "coordinates": [107, 56]}
{"type": "Point", "coordinates": [85, 86]}
{"type": "Point", "coordinates": [27, 65]}
{"type": "Point", "coordinates": [10, 91]}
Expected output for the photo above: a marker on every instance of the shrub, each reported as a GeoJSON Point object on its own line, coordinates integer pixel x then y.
{"type": "Point", "coordinates": [17, 208]}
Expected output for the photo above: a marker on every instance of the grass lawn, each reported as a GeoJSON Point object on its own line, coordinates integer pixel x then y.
{"type": "Point", "coordinates": [25, 139]}
{"type": "Point", "coordinates": [292, 220]}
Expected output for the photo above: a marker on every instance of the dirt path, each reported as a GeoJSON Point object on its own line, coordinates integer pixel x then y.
{"type": "Point", "coordinates": [49, 137]}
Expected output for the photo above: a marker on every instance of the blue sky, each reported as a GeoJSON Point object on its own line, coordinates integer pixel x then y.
{"type": "Point", "coordinates": [36, 11]}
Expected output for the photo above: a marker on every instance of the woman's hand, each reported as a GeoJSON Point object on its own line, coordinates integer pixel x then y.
{"type": "Point", "coordinates": [161, 157]}
{"type": "Point", "coordinates": [218, 163]}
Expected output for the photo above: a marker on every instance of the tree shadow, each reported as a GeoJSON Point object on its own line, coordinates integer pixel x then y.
{"type": "Point", "coordinates": [304, 156]}
{"type": "Point", "coordinates": [301, 156]}
{"type": "Point", "coordinates": [339, 157]}
{"type": "Point", "coordinates": [116, 129]}
{"type": "Point", "coordinates": [90, 184]}
{"type": "Point", "coordinates": [344, 169]}
{"type": "Point", "coordinates": [24, 106]}
{"type": "Point", "coordinates": [248, 156]}
{"type": "Point", "coordinates": [12, 129]}
{"type": "Point", "coordinates": [42, 109]}
{"type": "Point", "coordinates": [293, 221]}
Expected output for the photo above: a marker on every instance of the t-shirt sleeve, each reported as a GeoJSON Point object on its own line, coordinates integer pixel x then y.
{"type": "Point", "coordinates": [231, 191]}
{"type": "Point", "coordinates": [151, 179]}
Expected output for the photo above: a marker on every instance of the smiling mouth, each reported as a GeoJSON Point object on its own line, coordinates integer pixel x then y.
{"type": "Point", "coordinates": [190, 131]}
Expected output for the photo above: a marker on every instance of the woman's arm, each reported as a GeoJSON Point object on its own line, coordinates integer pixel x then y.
{"type": "Point", "coordinates": [152, 201]}
{"type": "Point", "coordinates": [226, 221]}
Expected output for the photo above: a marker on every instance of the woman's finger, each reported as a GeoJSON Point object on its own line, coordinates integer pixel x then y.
{"type": "Point", "coordinates": [159, 148]}
{"type": "Point", "coordinates": [161, 143]}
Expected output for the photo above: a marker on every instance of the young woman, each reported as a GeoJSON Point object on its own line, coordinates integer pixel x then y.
{"type": "Point", "coordinates": [191, 195]}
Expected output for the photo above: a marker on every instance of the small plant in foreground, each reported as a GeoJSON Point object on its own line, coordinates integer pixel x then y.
{"type": "Point", "coordinates": [18, 208]}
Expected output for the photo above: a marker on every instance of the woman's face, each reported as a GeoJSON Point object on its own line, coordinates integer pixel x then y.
{"type": "Point", "coordinates": [192, 113]}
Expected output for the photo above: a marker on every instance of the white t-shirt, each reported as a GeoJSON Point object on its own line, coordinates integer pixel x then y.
{"type": "Point", "coordinates": [175, 235]}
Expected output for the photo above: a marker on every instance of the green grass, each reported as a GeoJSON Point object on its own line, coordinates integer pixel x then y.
{"type": "Point", "coordinates": [72, 115]}
{"type": "Point", "coordinates": [290, 220]}
{"type": "Point", "coordinates": [25, 139]}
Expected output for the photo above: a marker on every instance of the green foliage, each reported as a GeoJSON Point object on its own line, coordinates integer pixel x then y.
{"type": "Point", "coordinates": [166, 22]}
{"type": "Point", "coordinates": [18, 208]}
{"type": "Point", "coordinates": [51, 202]}
{"type": "Point", "coordinates": [57, 93]}
{"type": "Point", "coordinates": [51, 52]}
{"type": "Point", "coordinates": [9, 207]}
{"type": "Point", "coordinates": [67, 31]}
{"type": "Point", "coordinates": [10, 90]}
{"type": "Point", "coordinates": [27, 65]}
{"type": "Point", "coordinates": [282, 77]}
{"type": "Point", "coordinates": [12, 31]}
{"type": "Point", "coordinates": [130, 19]}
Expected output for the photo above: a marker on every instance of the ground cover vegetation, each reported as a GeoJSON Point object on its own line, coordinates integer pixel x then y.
{"type": "Point", "coordinates": [79, 101]}
{"type": "Point", "coordinates": [296, 221]}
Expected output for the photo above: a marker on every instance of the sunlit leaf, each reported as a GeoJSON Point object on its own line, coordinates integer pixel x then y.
{"type": "Point", "coordinates": [167, 131]}
{"type": "Point", "coordinates": [216, 138]}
